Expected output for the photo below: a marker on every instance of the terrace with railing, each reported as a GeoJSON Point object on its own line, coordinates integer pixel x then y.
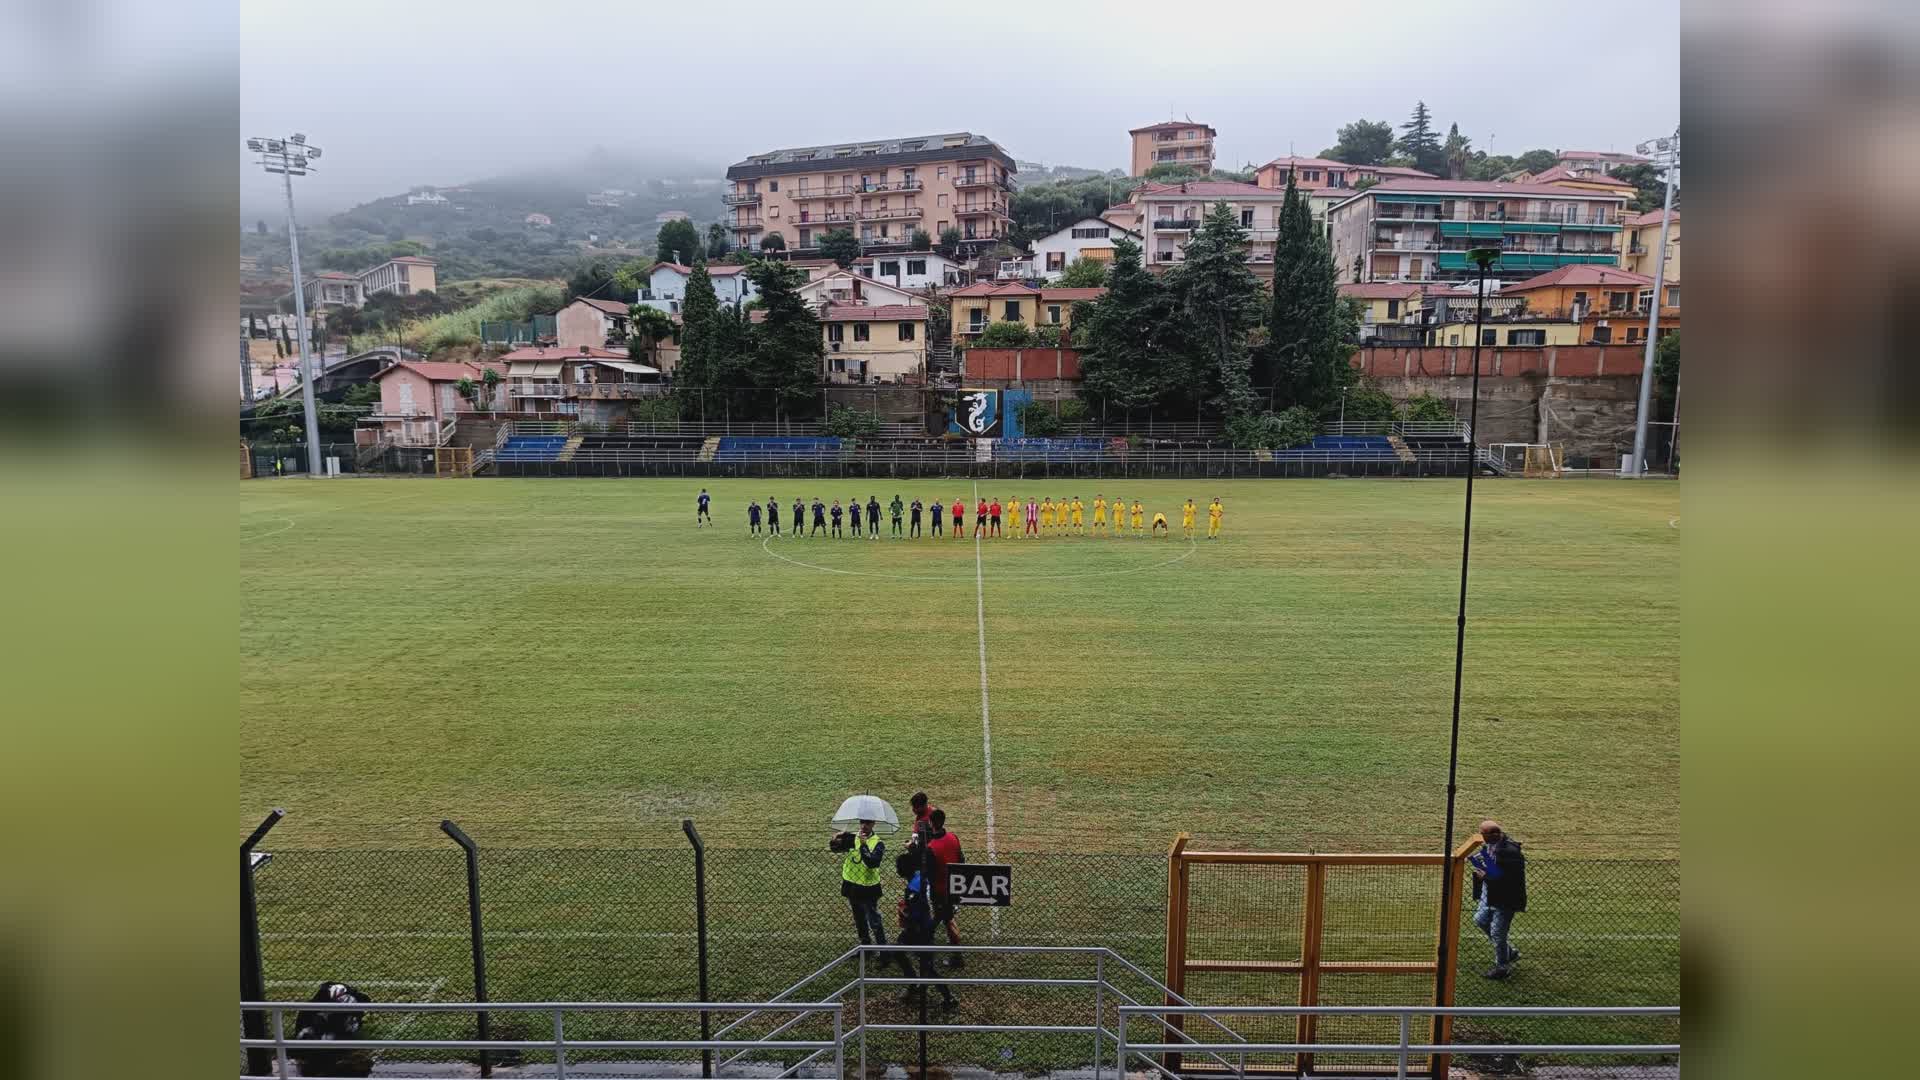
{"type": "Point", "coordinates": [741, 198]}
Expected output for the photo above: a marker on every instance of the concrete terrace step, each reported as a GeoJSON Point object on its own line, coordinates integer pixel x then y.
{"type": "Point", "coordinates": [1400, 449]}
{"type": "Point", "coordinates": [573, 443]}
{"type": "Point", "coordinates": [709, 448]}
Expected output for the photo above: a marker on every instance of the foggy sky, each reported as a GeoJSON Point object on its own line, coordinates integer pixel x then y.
{"type": "Point", "coordinates": [427, 92]}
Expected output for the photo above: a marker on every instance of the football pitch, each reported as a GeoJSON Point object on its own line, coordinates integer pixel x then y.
{"type": "Point", "coordinates": [558, 662]}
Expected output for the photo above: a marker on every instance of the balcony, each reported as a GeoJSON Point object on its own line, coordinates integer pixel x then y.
{"type": "Point", "coordinates": [1176, 224]}
{"type": "Point", "coordinates": [1389, 243]}
{"type": "Point", "coordinates": [904, 214]}
{"type": "Point", "coordinates": [807, 218]}
{"type": "Point", "coordinates": [966, 181]}
{"type": "Point", "coordinates": [403, 411]}
{"type": "Point", "coordinates": [614, 391]}
{"type": "Point", "coordinates": [999, 209]}
{"type": "Point", "coordinates": [749, 226]}
{"type": "Point", "coordinates": [841, 191]}
{"type": "Point", "coordinates": [741, 198]}
{"type": "Point", "coordinates": [538, 390]}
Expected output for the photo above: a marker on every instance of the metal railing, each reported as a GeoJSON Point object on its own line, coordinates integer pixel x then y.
{"type": "Point", "coordinates": [1403, 1050]}
{"type": "Point", "coordinates": [397, 412]}
{"type": "Point", "coordinates": [1429, 428]}
{"type": "Point", "coordinates": [742, 198]}
{"type": "Point", "coordinates": [285, 1049]}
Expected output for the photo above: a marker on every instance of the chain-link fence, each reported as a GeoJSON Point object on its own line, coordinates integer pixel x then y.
{"type": "Point", "coordinates": [620, 924]}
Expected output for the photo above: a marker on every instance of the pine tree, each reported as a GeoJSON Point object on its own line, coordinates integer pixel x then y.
{"type": "Point", "coordinates": [1220, 300]}
{"type": "Point", "coordinates": [1309, 328]}
{"type": "Point", "coordinates": [1419, 144]}
{"type": "Point", "coordinates": [1121, 332]}
{"type": "Point", "coordinates": [697, 311]}
{"type": "Point", "coordinates": [786, 349]}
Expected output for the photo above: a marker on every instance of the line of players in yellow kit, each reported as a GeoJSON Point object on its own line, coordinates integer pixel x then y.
{"type": "Point", "coordinates": [1048, 516]}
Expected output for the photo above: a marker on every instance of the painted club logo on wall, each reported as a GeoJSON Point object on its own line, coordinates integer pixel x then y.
{"type": "Point", "coordinates": [978, 412]}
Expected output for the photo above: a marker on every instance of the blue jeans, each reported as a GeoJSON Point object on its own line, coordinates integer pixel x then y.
{"type": "Point", "coordinates": [1495, 922]}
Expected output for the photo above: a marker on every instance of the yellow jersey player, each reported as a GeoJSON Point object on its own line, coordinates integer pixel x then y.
{"type": "Point", "coordinates": [1119, 516]}
{"type": "Point", "coordinates": [1079, 517]}
{"type": "Point", "coordinates": [1013, 518]}
{"type": "Point", "coordinates": [1139, 516]}
{"type": "Point", "coordinates": [1186, 519]}
{"type": "Point", "coordinates": [1214, 513]}
{"type": "Point", "coordinates": [1046, 515]}
{"type": "Point", "coordinates": [1060, 514]}
{"type": "Point", "coordinates": [1099, 512]}
{"type": "Point", "coordinates": [1160, 524]}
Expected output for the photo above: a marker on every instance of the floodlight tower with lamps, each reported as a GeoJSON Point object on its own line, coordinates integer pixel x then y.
{"type": "Point", "coordinates": [291, 157]}
{"type": "Point", "coordinates": [1668, 150]}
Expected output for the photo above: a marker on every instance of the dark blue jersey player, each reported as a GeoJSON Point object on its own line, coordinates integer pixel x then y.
{"type": "Point", "coordinates": [773, 517]}
{"type": "Point", "coordinates": [704, 516]}
{"type": "Point", "coordinates": [753, 519]}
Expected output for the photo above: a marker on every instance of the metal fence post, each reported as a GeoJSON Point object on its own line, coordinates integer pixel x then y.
{"type": "Point", "coordinates": [1099, 1006]}
{"type": "Point", "coordinates": [473, 929]}
{"type": "Point", "coordinates": [253, 979]}
{"type": "Point", "coordinates": [863, 1014]}
{"type": "Point", "coordinates": [700, 935]}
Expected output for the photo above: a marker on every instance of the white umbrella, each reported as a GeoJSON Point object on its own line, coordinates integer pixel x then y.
{"type": "Point", "coordinates": [859, 808]}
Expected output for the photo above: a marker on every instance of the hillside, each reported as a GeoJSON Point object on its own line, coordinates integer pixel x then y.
{"type": "Point", "coordinates": [482, 231]}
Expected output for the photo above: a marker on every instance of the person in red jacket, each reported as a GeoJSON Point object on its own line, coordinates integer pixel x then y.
{"type": "Point", "coordinates": [980, 518]}
{"type": "Point", "coordinates": [959, 519]}
{"type": "Point", "coordinates": [943, 850]}
{"type": "Point", "coordinates": [993, 518]}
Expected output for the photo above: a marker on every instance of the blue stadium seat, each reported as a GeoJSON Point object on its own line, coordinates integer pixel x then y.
{"type": "Point", "coordinates": [531, 448]}
{"type": "Point", "coordinates": [1037, 448]}
{"type": "Point", "coordinates": [796, 448]}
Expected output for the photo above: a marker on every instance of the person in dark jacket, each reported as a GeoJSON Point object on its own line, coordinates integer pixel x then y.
{"type": "Point", "coordinates": [1500, 885]}
{"type": "Point", "coordinates": [917, 920]}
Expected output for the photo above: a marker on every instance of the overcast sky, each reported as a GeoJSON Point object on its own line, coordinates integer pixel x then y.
{"type": "Point", "coordinates": [428, 92]}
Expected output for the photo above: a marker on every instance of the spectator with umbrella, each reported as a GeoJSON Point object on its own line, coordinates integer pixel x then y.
{"type": "Point", "coordinates": [862, 855]}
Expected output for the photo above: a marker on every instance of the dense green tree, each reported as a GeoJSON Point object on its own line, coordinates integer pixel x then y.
{"type": "Point", "coordinates": [678, 241]}
{"type": "Point", "coordinates": [1003, 335]}
{"type": "Point", "coordinates": [786, 345]}
{"type": "Point", "coordinates": [1171, 172]}
{"type": "Point", "coordinates": [1420, 144]}
{"type": "Point", "coordinates": [1649, 185]}
{"type": "Point", "coordinates": [773, 241]}
{"type": "Point", "coordinates": [841, 246]}
{"type": "Point", "coordinates": [631, 278]}
{"type": "Point", "coordinates": [593, 278]}
{"type": "Point", "coordinates": [697, 312]}
{"type": "Point", "coordinates": [949, 245]}
{"type": "Point", "coordinates": [1458, 150]}
{"type": "Point", "coordinates": [717, 241]}
{"type": "Point", "coordinates": [1220, 301]}
{"type": "Point", "coordinates": [1042, 208]}
{"type": "Point", "coordinates": [1083, 273]}
{"type": "Point", "coordinates": [733, 372]}
{"type": "Point", "coordinates": [1536, 160]}
{"type": "Point", "coordinates": [1122, 334]}
{"type": "Point", "coordinates": [1666, 366]}
{"type": "Point", "coordinates": [1363, 142]}
{"type": "Point", "coordinates": [648, 327]}
{"type": "Point", "coordinates": [921, 241]}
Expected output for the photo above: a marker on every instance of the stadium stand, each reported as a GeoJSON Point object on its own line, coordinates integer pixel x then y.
{"type": "Point", "coordinates": [1348, 447]}
{"type": "Point", "coordinates": [735, 448]}
{"type": "Point", "coordinates": [1035, 448]}
{"type": "Point", "coordinates": [531, 448]}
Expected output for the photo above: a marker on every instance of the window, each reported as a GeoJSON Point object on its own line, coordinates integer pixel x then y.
{"type": "Point", "coordinates": [1246, 217]}
{"type": "Point", "coordinates": [976, 320]}
{"type": "Point", "coordinates": [866, 272]}
{"type": "Point", "coordinates": [1617, 300]}
{"type": "Point", "coordinates": [940, 173]}
{"type": "Point", "coordinates": [1673, 296]}
{"type": "Point", "coordinates": [1011, 313]}
{"type": "Point", "coordinates": [1053, 314]}
{"type": "Point", "coordinates": [906, 331]}
{"type": "Point", "coordinates": [1056, 260]}
{"type": "Point", "coordinates": [1310, 174]}
{"type": "Point", "coordinates": [1646, 299]}
{"type": "Point", "coordinates": [890, 268]}
{"type": "Point", "coordinates": [1393, 309]}
{"type": "Point", "coordinates": [806, 237]}
{"type": "Point", "coordinates": [861, 331]}
{"type": "Point", "coordinates": [940, 199]}
{"type": "Point", "coordinates": [1091, 233]}
{"type": "Point", "coordinates": [1603, 335]}
{"type": "Point", "coordinates": [1526, 337]}
{"type": "Point", "coordinates": [1633, 334]}
{"type": "Point", "coordinates": [773, 211]}
{"type": "Point", "coordinates": [773, 185]}
{"type": "Point", "coordinates": [1487, 337]}
{"type": "Point", "coordinates": [944, 223]}
{"type": "Point", "coordinates": [836, 332]}
{"type": "Point", "coordinates": [916, 267]}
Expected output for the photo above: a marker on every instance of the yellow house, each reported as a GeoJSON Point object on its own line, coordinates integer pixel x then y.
{"type": "Point", "coordinates": [977, 306]}
{"type": "Point", "coordinates": [875, 343]}
{"type": "Point", "coordinates": [1640, 251]}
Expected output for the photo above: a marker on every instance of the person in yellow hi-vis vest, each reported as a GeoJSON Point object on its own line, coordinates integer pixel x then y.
{"type": "Point", "coordinates": [860, 884]}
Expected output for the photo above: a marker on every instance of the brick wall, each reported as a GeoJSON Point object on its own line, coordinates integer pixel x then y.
{"type": "Point", "coordinates": [1021, 365]}
{"type": "Point", "coordinates": [1600, 361]}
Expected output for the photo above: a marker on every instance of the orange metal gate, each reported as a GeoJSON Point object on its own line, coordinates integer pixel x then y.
{"type": "Point", "coordinates": [1236, 927]}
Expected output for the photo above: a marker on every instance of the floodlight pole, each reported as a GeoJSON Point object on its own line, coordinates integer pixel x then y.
{"type": "Point", "coordinates": [286, 156]}
{"type": "Point", "coordinates": [1484, 258]}
{"type": "Point", "coordinates": [1672, 151]}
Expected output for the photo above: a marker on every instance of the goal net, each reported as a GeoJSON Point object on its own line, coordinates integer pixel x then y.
{"type": "Point", "coordinates": [1534, 460]}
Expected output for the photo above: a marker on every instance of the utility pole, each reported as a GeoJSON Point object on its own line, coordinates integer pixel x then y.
{"type": "Point", "coordinates": [291, 157]}
{"type": "Point", "coordinates": [1669, 148]}
{"type": "Point", "coordinates": [246, 365]}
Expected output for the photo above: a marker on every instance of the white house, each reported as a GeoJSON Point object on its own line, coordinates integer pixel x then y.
{"type": "Point", "coordinates": [667, 288]}
{"type": "Point", "coordinates": [1089, 237]}
{"type": "Point", "coordinates": [428, 197]}
{"type": "Point", "coordinates": [914, 270]}
{"type": "Point", "coordinates": [847, 287]}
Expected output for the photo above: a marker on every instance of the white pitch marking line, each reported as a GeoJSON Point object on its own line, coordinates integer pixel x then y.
{"type": "Point", "coordinates": [986, 711]}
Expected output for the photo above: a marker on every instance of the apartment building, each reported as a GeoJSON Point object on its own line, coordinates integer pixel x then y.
{"type": "Point", "coordinates": [1175, 142]}
{"type": "Point", "coordinates": [1589, 162]}
{"type": "Point", "coordinates": [1421, 230]}
{"type": "Point", "coordinates": [881, 191]}
{"type": "Point", "coordinates": [331, 288]}
{"type": "Point", "coordinates": [1641, 253]}
{"type": "Point", "coordinates": [1167, 215]}
{"type": "Point", "coordinates": [404, 274]}
{"type": "Point", "coordinates": [914, 270]}
{"type": "Point", "coordinates": [666, 286]}
{"type": "Point", "coordinates": [1088, 238]}
{"type": "Point", "coordinates": [1610, 305]}
{"type": "Point", "coordinates": [1314, 174]}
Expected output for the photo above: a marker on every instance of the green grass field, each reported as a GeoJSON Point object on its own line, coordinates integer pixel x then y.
{"type": "Point", "coordinates": [570, 664]}
{"type": "Point", "coordinates": [570, 661]}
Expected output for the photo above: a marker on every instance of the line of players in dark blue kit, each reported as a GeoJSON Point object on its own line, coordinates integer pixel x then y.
{"type": "Point", "coordinates": [864, 520]}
